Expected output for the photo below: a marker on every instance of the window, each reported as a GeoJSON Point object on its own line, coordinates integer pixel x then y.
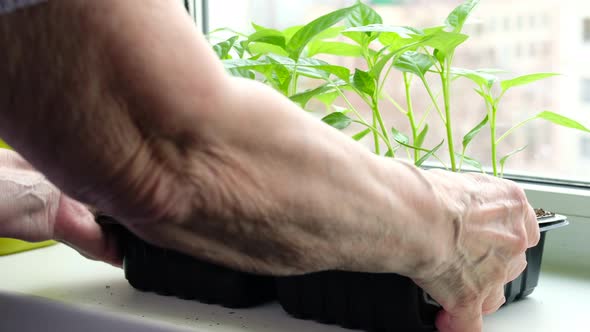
{"type": "Point", "coordinates": [585, 147]}
{"type": "Point", "coordinates": [520, 23]}
{"type": "Point", "coordinates": [507, 23]}
{"type": "Point", "coordinates": [586, 29]}
{"type": "Point", "coordinates": [585, 89]}
{"type": "Point", "coordinates": [540, 49]}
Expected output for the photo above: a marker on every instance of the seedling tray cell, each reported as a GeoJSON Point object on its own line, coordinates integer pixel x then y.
{"type": "Point", "coordinates": [166, 272]}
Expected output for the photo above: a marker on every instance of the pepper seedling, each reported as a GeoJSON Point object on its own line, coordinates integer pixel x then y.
{"type": "Point", "coordinates": [281, 58]}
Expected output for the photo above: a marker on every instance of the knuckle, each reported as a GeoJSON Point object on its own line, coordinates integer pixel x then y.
{"type": "Point", "coordinates": [518, 195]}
{"type": "Point", "coordinates": [535, 238]}
{"type": "Point", "coordinates": [521, 244]}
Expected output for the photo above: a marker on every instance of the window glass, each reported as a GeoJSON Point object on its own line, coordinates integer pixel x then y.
{"type": "Point", "coordinates": [521, 37]}
{"type": "Point", "coordinates": [586, 33]}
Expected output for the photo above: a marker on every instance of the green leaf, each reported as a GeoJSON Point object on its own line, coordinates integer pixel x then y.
{"type": "Point", "coordinates": [473, 132]}
{"type": "Point", "coordinates": [481, 78]}
{"type": "Point", "coordinates": [244, 73]}
{"type": "Point", "coordinates": [524, 80]}
{"type": "Point", "coordinates": [328, 98]}
{"type": "Point", "coordinates": [245, 64]}
{"type": "Point", "coordinates": [421, 137]}
{"type": "Point", "coordinates": [361, 135]}
{"type": "Point", "coordinates": [222, 49]}
{"type": "Point", "coordinates": [273, 71]}
{"type": "Point", "coordinates": [268, 36]}
{"type": "Point", "coordinates": [333, 48]}
{"type": "Point", "coordinates": [304, 35]}
{"type": "Point", "coordinates": [383, 60]}
{"type": "Point", "coordinates": [508, 156]}
{"type": "Point", "coordinates": [429, 154]}
{"type": "Point", "coordinates": [282, 75]}
{"type": "Point", "coordinates": [242, 48]}
{"type": "Point", "coordinates": [400, 31]}
{"type": "Point", "coordinates": [291, 31]}
{"type": "Point", "coordinates": [363, 15]}
{"type": "Point", "coordinates": [470, 161]}
{"type": "Point", "coordinates": [562, 121]}
{"type": "Point", "coordinates": [258, 27]}
{"type": "Point", "coordinates": [257, 49]}
{"type": "Point", "coordinates": [387, 34]}
{"type": "Point", "coordinates": [330, 33]}
{"type": "Point", "coordinates": [456, 20]}
{"type": "Point", "coordinates": [311, 67]}
{"type": "Point", "coordinates": [400, 137]}
{"type": "Point", "coordinates": [415, 63]}
{"type": "Point", "coordinates": [303, 98]}
{"type": "Point", "coordinates": [394, 42]}
{"type": "Point", "coordinates": [445, 43]}
{"type": "Point", "coordinates": [489, 99]}
{"type": "Point", "coordinates": [364, 82]}
{"type": "Point", "coordinates": [337, 120]}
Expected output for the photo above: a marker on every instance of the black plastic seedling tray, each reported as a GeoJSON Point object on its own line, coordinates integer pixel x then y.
{"type": "Point", "coordinates": [166, 272]}
{"type": "Point", "coordinates": [149, 268]}
{"type": "Point", "coordinates": [387, 302]}
{"type": "Point", "coordinates": [367, 301]}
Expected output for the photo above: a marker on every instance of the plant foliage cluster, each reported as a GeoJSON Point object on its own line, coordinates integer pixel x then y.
{"type": "Point", "coordinates": [281, 58]}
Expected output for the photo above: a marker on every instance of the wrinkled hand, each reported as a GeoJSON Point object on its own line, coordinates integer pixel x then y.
{"type": "Point", "coordinates": [492, 225]}
{"type": "Point", "coordinates": [33, 209]}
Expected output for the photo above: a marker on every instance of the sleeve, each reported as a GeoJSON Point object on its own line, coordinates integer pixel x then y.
{"type": "Point", "coordinates": [7, 6]}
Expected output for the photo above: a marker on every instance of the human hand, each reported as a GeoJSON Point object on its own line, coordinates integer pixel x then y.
{"type": "Point", "coordinates": [33, 209]}
{"type": "Point", "coordinates": [490, 226]}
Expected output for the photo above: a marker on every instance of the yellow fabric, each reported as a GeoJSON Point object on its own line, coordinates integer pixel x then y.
{"type": "Point", "coordinates": [12, 246]}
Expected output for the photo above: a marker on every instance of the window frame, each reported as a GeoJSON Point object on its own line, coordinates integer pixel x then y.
{"type": "Point", "coordinates": [199, 11]}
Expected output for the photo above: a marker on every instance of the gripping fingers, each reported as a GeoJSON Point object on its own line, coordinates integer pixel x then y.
{"type": "Point", "coordinates": [516, 268]}
{"type": "Point", "coordinates": [468, 320]}
{"type": "Point", "coordinates": [532, 227]}
{"type": "Point", "coordinates": [494, 301]}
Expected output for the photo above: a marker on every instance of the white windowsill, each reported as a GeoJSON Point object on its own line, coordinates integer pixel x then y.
{"type": "Point", "coordinates": [566, 249]}
{"type": "Point", "coordinates": [55, 289]}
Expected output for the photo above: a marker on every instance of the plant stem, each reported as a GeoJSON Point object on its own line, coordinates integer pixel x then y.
{"type": "Point", "coordinates": [375, 135]}
{"type": "Point", "coordinates": [379, 118]}
{"type": "Point", "coordinates": [410, 114]}
{"type": "Point", "coordinates": [395, 103]}
{"type": "Point", "coordinates": [511, 130]}
{"type": "Point", "coordinates": [434, 101]}
{"type": "Point", "coordinates": [362, 121]}
{"type": "Point", "coordinates": [374, 130]}
{"type": "Point", "coordinates": [446, 83]}
{"type": "Point", "coordinates": [294, 82]}
{"type": "Point", "coordinates": [351, 106]}
{"type": "Point", "coordinates": [494, 141]}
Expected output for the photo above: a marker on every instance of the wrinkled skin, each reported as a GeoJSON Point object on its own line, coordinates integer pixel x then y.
{"type": "Point", "coordinates": [231, 171]}
{"type": "Point", "coordinates": [487, 251]}
{"type": "Point", "coordinates": [33, 209]}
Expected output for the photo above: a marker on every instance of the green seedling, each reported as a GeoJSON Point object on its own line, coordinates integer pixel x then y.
{"type": "Point", "coordinates": [280, 58]}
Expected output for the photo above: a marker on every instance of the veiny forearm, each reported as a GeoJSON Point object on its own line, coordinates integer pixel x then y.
{"type": "Point", "coordinates": [287, 193]}
{"type": "Point", "coordinates": [123, 105]}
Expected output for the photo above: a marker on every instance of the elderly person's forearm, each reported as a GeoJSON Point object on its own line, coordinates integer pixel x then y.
{"type": "Point", "coordinates": [138, 118]}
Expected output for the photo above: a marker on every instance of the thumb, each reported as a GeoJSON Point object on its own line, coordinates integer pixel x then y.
{"type": "Point", "coordinates": [466, 321]}
{"type": "Point", "coordinates": [75, 226]}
